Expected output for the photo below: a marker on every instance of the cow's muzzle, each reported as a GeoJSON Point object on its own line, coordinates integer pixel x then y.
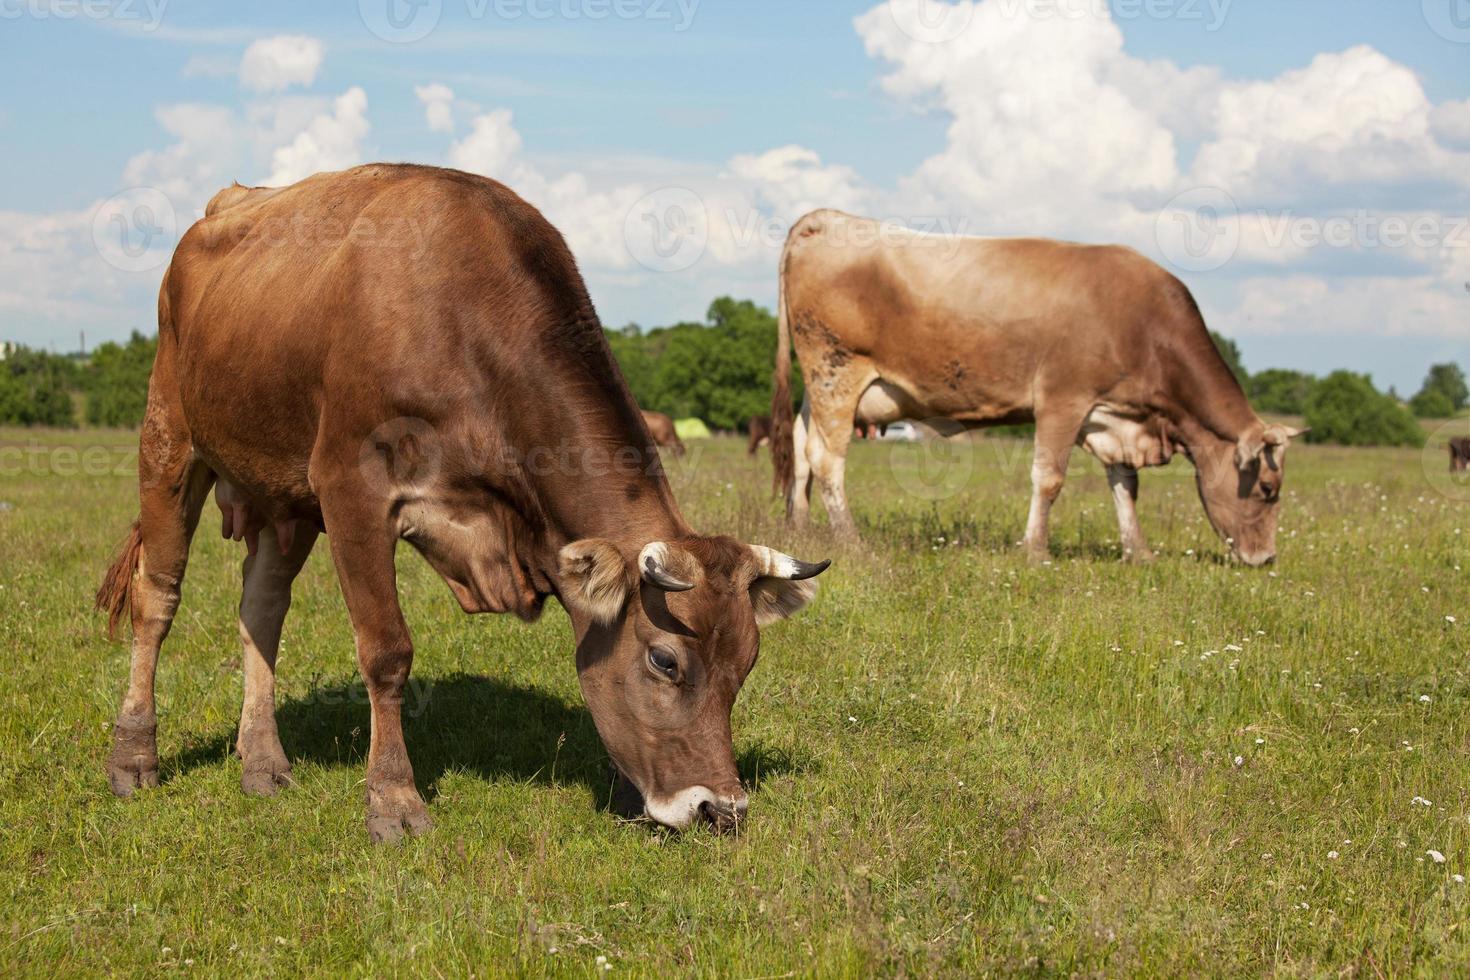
{"type": "Point", "coordinates": [698, 804]}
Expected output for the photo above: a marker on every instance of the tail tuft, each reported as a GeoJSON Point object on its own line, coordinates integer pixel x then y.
{"type": "Point", "coordinates": [114, 595]}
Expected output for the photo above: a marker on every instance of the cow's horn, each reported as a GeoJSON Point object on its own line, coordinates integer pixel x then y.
{"type": "Point", "coordinates": [652, 561]}
{"type": "Point", "coordinates": [776, 564]}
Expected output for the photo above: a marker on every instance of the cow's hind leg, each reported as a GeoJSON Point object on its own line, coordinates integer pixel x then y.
{"type": "Point", "coordinates": [829, 433]}
{"type": "Point", "coordinates": [172, 489]}
{"type": "Point", "coordinates": [799, 498]}
{"type": "Point", "coordinates": [362, 537]}
{"type": "Point", "coordinates": [1123, 480]}
{"type": "Point", "coordinates": [264, 601]}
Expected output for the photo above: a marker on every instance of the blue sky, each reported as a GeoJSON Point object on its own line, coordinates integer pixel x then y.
{"type": "Point", "coordinates": [1086, 123]}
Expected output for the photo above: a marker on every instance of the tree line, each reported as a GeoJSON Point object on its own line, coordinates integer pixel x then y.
{"type": "Point", "coordinates": [719, 370]}
{"type": "Point", "coordinates": [109, 387]}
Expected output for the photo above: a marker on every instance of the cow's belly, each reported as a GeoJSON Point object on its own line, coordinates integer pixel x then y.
{"type": "Point", "coordinates": [1116, 440]}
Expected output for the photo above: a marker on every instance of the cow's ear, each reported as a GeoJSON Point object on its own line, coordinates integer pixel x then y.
{"type": "Point", "coordinates": [1280, 435]}
{"type": "Point", "coordinates": [595, 579]}
{"type": "Point", "coordinates": [783, 585]}
{"type": "Point", "coordinates": [776, 599]}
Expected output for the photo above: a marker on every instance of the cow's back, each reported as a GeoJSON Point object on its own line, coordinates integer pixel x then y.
{"type": "Point", "coordinates": [966, 324]}
{"type": "Point", "coordinates": [355, 297]}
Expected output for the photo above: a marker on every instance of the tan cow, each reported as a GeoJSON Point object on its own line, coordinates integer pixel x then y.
{"type": "Point", "coordinates": [1097, 345]}
{"type": "Point", "coordinates": [329, 374]}
{"type": "Point", "coordinates": [661, 427]}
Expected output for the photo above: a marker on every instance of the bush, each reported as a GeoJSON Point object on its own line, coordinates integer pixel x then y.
{"type": "Point", "coordinates": [1431, 403]}
{"type": "Point", "coordinates": [35, 389]}
{"type": "Point", "coordinates": [1443, 386]}
{"type": "Point", "coordinates": [116, 382]}
{"type": "Point", "coordinates": [1346, 409]}
{"type": "Point", "coordinates": [1280, 391]}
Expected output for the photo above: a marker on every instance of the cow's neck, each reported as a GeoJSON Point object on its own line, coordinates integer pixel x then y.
{"type": "Point", "coordinates": [1212, 405]}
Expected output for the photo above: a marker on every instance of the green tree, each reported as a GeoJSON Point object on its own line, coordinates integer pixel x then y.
{"type": "Point", "coordinates": [1280, 391]}
{"type": "Point", "coordinates": [35, 389]}
{"type": "Point", "coordinates": [1431, 403]}
{"type": "Point", "coordinates": [1449, 381]}
{"type": "Point", "coordinates": [1231, 352]}
{"type": "Point", "coordinates": [116, 381]}
{"type": "Point", "coordinates": [719, 370]}
{"type": "Point", "coordinates": [1346, 409]}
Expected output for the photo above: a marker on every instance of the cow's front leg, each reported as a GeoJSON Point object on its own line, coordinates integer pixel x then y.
{"type": "Point", "coordinates": [362, 541]}
{"type": "Point", "coordinates": [1055, 436]}
{"type": "Point", "coordinates": [1124, 483]}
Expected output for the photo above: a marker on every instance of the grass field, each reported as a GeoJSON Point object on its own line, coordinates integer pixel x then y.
{"type": "Point", "coordinates": [959, 763]}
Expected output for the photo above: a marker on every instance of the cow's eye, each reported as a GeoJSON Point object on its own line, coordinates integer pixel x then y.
{"type": "Point", "coordinates": [663, 662]}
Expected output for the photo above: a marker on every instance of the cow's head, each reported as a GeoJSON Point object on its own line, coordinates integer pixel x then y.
{"type": "Point", "coordinates": [664, 641]}
{"type": "Point", "coordinates": [1240, 485]}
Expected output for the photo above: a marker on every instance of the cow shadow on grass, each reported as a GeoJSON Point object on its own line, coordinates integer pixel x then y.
{"type": "Point", "coordinates": [484, 726]}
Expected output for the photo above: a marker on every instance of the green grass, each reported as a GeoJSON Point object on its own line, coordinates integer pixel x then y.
{"type": "Point", "coordinates": [959, 763]}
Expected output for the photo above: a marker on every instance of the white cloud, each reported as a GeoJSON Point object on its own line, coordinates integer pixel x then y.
{"type": "Point", "coordinates": [274, 64]}
{"type": "Point", "coordinates": [491, 147]}
{"type": "Point", "coordinates": [1354, 117]}
{"type": "Point", "coordinates": [1451, 124]}
{"type": "Point", "coordinates": [792, 180]}
{"type": "Point", "coordinates": [331, 141]}
{"type": "Point", "coordinates": [204, 157]}
{"type": "Point", "coordinates": [1368, 306]}
{"type": "Point", "coordinates": [438, 101]}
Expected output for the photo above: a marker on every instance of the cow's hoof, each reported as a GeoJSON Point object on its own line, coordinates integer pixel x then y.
{"type": "Point", "coordinates": [133, 762]}
{"type": "Point", "coordinates": [1038, 556]}
{"type": "Point", "coordinates": [388, 822]}
{"type": "Point", "coordinates": [266, 779]}
{"type": "Point", "coordinates": [129, 776]}
{"type": "Point", "coordinates": [390, 828]}
{"type": "Point", "coordinates": [1139, 556]}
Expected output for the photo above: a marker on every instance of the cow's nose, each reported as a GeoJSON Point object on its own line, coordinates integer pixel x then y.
{"type": "Point", "coordinates": [724, 815]}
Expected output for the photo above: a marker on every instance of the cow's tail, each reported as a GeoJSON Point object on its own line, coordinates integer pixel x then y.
{"type": "Point", "coordinates": [115, 594]}
{"type": "Point", "coordinates": [783, 452]}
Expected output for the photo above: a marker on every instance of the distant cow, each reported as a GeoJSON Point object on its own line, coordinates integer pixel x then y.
{"type": "Point", "coordinates": [1096, 344]}
{"type": "Point", "coordinates": [1460, 454]}
{"type": "Point", "coordinates": [661, 427]}
{"type": "Point", "coordinates": [760, 433]}
{"type": "Point", "coordinates": [456, 393]}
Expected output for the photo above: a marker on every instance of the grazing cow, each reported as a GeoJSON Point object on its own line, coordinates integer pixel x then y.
{"type": "Point", "coordinates": [1460, 454]}
{"type": "Point", "coordinates": [1097, 345]}
{"type": "Point", "coordinates": [455, 392]}
{"type": "Point", "coordinates": [760, 433]}
{"type": "Point", "coordinates": [661, 427]}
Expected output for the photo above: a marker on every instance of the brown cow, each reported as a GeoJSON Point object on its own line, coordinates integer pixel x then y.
{"type": "Point", "coordinates": [760, 433]}
{"type": "Point", "coordinates": [1097, 345]}
{"type": "Point", "coordinates": [1460, 454]}
{"type": "Point", "coordinates": [661, 427]}
{"type": "Point", "coordinates": [331, 376]}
